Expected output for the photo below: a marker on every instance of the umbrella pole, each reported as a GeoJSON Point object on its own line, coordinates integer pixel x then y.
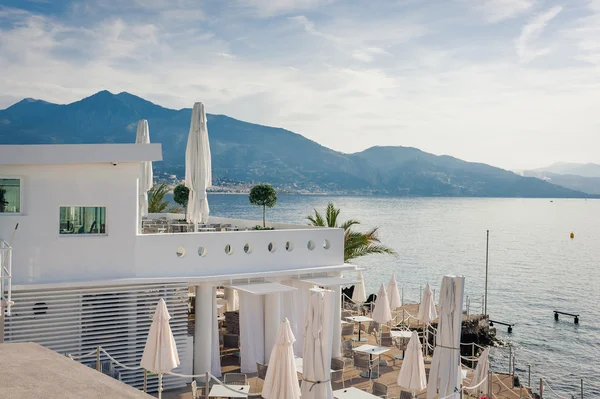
{"type": "Point", "coordinates": [145, 381]}
{"type": "Point", "coordinates": [160, 385]}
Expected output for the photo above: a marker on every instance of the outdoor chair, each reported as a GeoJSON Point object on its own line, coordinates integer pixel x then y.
{"type": "Point", "coordinates": [337, 365]}
{"type": "Point", "coordinates": [347, 352]}
{"type": "Point", "coordinates": [362, 362]}
{"type": "Point", "coordinates": [348, 330]}
{"type": "Point", "coordinates": [197, 393]}
{"type": "Point", "coordinates": [405, 395]}
{"type": "Point", "coordinates": [346, 313]}
{"type": "Point", "coordinates": [386, 342]}
{"type": "Point", "coordinates": [231, 344]}
{"type": "Point", "coordinates": [380, 390]}
{"type": "Point", "coordinates": [236, 379]}
{"type": "Point", "coordinates": [373, 327]}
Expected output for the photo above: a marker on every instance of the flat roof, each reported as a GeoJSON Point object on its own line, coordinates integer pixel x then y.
{"type": "Point", "coordinates": [28, 370]}
{"type": "Point", "coordinates": [57, 154]}
{"type": "Point", "coordinates": [262, 288]}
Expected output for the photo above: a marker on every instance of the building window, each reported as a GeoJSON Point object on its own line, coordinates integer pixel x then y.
{"type": "Point", "coordinates": [10, 195]}
{"type": "Point", "coordinates": [82, 220]}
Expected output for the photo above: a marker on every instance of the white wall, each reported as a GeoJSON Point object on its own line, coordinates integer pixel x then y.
{"type": "Point", "coordinates": [40, 254]}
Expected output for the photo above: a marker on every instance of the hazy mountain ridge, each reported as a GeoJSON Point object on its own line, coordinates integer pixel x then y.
{"type": "Point", "coordinates": [249, 152]}
{"type": "Point", "coordinates": [576, 176]}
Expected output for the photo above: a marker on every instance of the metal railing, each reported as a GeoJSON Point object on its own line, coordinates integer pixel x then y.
{"type": "Point", "coordinates": [5, 277]}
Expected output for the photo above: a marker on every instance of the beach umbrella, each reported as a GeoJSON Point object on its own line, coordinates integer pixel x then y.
{"type": "Point", "coordinates": [142, 136]}
{"type": "Point", "coordinates": [445, 376]}
{"type": "Point", "coordinates": [480, 374]}
{"type": "Point", "coordinates": [382, 313]}
{"type": "Point", "coordinates": [360, 293]}
{"type": "Point", "coordinates": [160, 353]}
{"type": "Point", "coordinates": [198, 169]}
{"type": "Point", "coordinates": [281, 380]}
{"type": "Point", "coordinates": [394, 293]}
{"type": "Point", "coordinates": [427, 312]}
{"type": "Point", "coordinates": [316, 364]}
{"type": "Point", "coordinates": [412, 373]}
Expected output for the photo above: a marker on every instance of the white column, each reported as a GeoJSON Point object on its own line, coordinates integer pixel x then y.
{"type": "Point", "coordinates": [337, 324]}
{"type": "Point", "coordinates": [202, 333]}
{"type": "Point", "coordinates": [272, 321]}
{"type": "Point", "coordinates": [230, 298]}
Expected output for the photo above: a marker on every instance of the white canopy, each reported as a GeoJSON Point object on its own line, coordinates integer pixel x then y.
{"type": "Point", "coordinates": [328, 281]}
{"type": "Point", "coordinates": [160, 353]}
{"type": "Point", "coordinates": [360, 293]}
{"type": "Point", "coordinates": [427, 312]}
{"type": "Point", "coordinates": [142, 136]}
{"type": "Point", "coordinates": [281, 381]}
{"type": "Point", "coordinates": [480, 374]}
{"type": "Point", "coordinates": [394, 293]}
{"type": "Point", "coordinates": [445, 374]}
{"type": "Point", "coordinates": [382, 313]}
{"type": "Point", "coordinates": [316, 364]}
{"type": "Point", "coordinates": [198, 169]}
{"type": "Point", "coordinates": [412, 373]}
{"type": "Point", "coordinates": [262, 288]}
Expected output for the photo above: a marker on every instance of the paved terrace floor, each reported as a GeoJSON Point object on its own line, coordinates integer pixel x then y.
{"type": "Point", "coordinates": [501, 383]}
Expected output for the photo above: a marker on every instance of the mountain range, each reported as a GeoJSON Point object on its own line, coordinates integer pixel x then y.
{"type": "Point", "coordinates": [248, 152]}
{"type": "Point", "coordinates": [576, 176]}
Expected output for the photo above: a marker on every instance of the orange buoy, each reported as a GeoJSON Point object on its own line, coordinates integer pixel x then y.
{"type": "Point", "coordinates": [572, 235]}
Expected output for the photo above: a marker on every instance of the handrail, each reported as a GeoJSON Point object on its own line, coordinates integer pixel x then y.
{"type": "Point", "coordinates": [5, 276]}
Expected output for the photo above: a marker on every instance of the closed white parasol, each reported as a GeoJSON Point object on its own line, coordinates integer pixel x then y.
{"type": "Point", "coordinates": [445, 374]}
{"type": "Point", "coordinates": [142, 136]}
{"type": "Point", "coordinates": [359, 295]}
{"type": "Point", "coordinates": [480, 374]}
{"type": "Point", "coordinates": [198, 168]}
{"type": "Point", "coordinates": [412, 373]}
{"type": "Point", "coordinates": [160, 353]}
{"type": "Point", "coordinates": [394, 293]}
{"type": "Point", "coordinates": [316, 364]}
{"type": "Point", "coordinates": [427, 312]}
{"type": "Point", "coordinates": [382, 313]}
{"type": "Point", "coordinates": [281, 381]}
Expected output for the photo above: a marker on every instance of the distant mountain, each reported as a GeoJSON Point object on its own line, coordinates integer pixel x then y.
{"type": "Point", "coordinates": [564, 168]}
{"type": "Point", "coordinates": [590, 185]}
{"type": "Point", "coordinates": [253, 153]}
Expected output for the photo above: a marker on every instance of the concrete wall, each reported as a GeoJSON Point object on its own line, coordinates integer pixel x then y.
{"type": "Point", "coordinates": [40, 253]}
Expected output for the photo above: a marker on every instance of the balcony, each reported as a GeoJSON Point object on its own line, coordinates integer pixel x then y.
{"type": "Point", "coordinates": [233, 248]}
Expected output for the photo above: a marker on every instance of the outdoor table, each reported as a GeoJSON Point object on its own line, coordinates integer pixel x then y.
{"type": "Point", "coordinates": [220, 391]}
{"type": "Point", "coordinates": [359, 319]}
{"type": "Point", "coordinates": [299, 362]}
{"type": "Point", "coordinates": [371, 350]}
{"type": "Point", "coordinates": [352, 393]}
{"type": "Point", "coordinates": [400, 334]}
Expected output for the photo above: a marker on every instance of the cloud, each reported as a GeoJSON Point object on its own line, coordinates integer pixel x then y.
{"type": "Point", "coordinates": [267, 8]}
{"type": "Point", "coordinates": [530, 33]}
{"type": "Point", "coordinates": [495, 11]}
{"type": "Point", "coordinates": [368, 54]}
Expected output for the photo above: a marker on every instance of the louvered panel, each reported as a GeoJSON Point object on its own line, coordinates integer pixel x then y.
{"type": "Point", "coordinates": [75, 321]}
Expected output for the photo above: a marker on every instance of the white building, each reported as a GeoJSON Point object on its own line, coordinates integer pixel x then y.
{"type": "Point", "coordinates": [84, 274]}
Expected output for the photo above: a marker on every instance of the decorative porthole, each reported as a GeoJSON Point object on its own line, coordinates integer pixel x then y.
{"type": "Point", "coordinates": [289, 246]}
{"type": "Point", "coordinates": [228, 249]}
{"type": "Point", "coordinates": [201, 251]}
{"type": "Point", "coordinates": [326, 244]}
{"type": "Point", "coordinates": [180, 252]}
{"type": "Point", "coordinates": [271, 247]}
{"type": "Point", "coordinates": [247, 248]}
{"type": "Point", "coordinates": [310, 245]}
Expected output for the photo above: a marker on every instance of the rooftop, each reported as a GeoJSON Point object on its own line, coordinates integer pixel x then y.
{"type": "Point", "coordinates": [28, 370]}
{"type": "Point", "coordinates": [57, 154]}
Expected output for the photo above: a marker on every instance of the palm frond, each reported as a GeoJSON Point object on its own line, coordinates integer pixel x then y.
{"type": "Point", "coordinates": [317, 219]}
{"type": "Point", "coordinates": [331, 215]}
{"type": "Point", "coordinates": [349, 223]}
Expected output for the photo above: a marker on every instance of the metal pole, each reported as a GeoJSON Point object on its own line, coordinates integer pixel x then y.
{"type": "Point", "coordinates": [207, 384]}
{"type": "Point", "coordinates": [541, 388]}
{"type": "Point", "coordinates": [487, 246]}
{"type": "Point", "coordinates": [582, 388]}
{"type": "Point", "coordinates": [402, 294]}
{"type": "Point", "coordinates": [420, 294]}
{"type": "Point", "coordinates": [472, 355]}
{"type": "Point", "coordinates": [513, 374]}
{"type": "Point", "coordinates": [98, 358]}
{"type": "Point", "coordinates": [529, 375]}
{"type": "Point", "coordinates": [509, 359]}
{"type": "Point", "coordinates": [160, 377]}
{"type": "Point", "coordinates": [145, 381]}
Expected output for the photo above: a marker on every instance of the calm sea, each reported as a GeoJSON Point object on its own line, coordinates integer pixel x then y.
{"type": "Point", "coordinates": [534, 267]}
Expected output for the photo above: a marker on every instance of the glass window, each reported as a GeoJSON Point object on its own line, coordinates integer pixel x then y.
{"type": "Point", "coordinates": [10, 195]}
{"type": "Point", "coordinates": [82, 220]}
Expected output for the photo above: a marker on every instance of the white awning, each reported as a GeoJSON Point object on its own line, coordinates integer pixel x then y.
{"type": "Point", "coordinates": [262, 288]}
{"type": "Point", "coordinates": [328, 281]}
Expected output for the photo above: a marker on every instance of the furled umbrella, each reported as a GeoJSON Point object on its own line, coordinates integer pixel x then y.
{"type": "Point", "coordinates": [427, 312]}
{"type": "Point", "coordinates": [198, 168]}
{"type": "Point", "coordinates": [412, 373]}
{"type": "Point", "coordinates": [359, 295]}
{"type": "Point", "coordinates": [142, 136]}
{"type": "Point", "coordinates": [281, 381]}
{"type": "Point", "coordinates": [445, 374]}
{"type": "Point", "coordinates": [394, 293]}
{"type": "Point", "coordinates": [160, 353]}
{"type": "Point", "coordinates": [480, 374]}
{"type": "Point", "coordinates": [316, 364]}
{"type": "Point", "coordinates": [382, 313]}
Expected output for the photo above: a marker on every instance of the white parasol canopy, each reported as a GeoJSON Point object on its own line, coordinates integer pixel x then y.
{"type": "Point", "coordinates": [394, 293]}
{"type": "Point", "coordinates": [480, 374]}
{"type": "Point", "coordinates": [198, 169]}
{"type": "Point", "coordinates": [281, 380]}
{"type": "Point", "coordinates": [445, 374]}
{"type": "Point", "coordinates": [427, 312]}
{"type": "Point", "coordinates": [382, 313]}
{"type": "Point", "coordinates": [142, 136]}
{"type": "Point", "coordinates": [412, 373]}
{"type": "Point", "coordinates": [160, 353]}
{"type": "Point", "coordinates": [359, 295]}
{"type": "Point", "coordinates": [316, 364]}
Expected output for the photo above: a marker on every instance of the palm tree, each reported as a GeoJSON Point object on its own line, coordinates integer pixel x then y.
{"type": "Point", "coordinates": [356, 244]}
{"type": "Point", "coordinates": [157, 202]}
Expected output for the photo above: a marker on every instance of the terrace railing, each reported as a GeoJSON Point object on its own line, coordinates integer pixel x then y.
{"type": "Point", "coordinates": [5, 277]}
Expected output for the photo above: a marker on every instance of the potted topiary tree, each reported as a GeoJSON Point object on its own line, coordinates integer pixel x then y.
{"type": "Point", "coordinates": [181, 195]}
{"type": "Point", "coordinates": [263, 195]}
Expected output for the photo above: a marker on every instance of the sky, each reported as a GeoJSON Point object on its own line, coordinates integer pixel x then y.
{"type": "Point", "coordinates": [512, 83]}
